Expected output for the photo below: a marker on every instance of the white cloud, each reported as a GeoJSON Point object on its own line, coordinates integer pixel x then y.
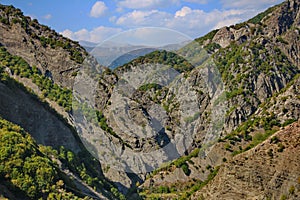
{"type": "Point", "coordinates": [226, 22]}
{"type": "Point", "coordinates": [193, 22]}
{"type": "Point", "coordinates": [98, 9]}
{"type": "Point", "coordinates": [189, 21]}
{"type": "Point", "coordinates": [83, 33]}
{"type": "Point", "coordinates": [146, 4]}
{"type": "Point", "coordinates": [48, 16]}
{"type": "Point", "coordinates": [143, 18]}
{"type": "Point", "coordinates": [259, 5]}
{"type": "Point", "coordinates": [183, 12]}
{"type": "Point", "coordinates": [96, 35]}
{"type": "Point", "coordinates": [67, 33]}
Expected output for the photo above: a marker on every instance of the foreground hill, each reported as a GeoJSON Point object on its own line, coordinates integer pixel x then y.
{"type": "Point", "coordinates": [31, 171]}
{"type": "Point", "coordinates": [271, 170]}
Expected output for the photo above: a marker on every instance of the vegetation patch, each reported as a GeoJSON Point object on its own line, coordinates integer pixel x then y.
{"type": "Point", "coordinates": [258, 18]}
{"type": "Point", "coordinates": [150, 86]}
{"type": "Point", "coordinates": [18, 66]}
{"type": "Point", "coordinates": [178, 190]}
{"type": "Point", "coordinates": [162, 57]}
{"type": "Point", "coordinates": [208, 36]}
{"type": "Point", "coordinates": [25, 169]}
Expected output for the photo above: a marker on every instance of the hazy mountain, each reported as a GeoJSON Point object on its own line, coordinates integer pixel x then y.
{"type": "Point", "coordinates": [114, 54]}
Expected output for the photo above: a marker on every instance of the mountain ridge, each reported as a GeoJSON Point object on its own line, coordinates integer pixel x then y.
{"type": "Point", "coordinates": [57, 56]}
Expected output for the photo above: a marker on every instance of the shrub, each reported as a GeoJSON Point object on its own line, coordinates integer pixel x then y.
{"type": "Point", "coordinates": [275, 140]}
{"type": "Point", "coordinates": [163, 189]}
{"type": "Point", "coordinates": [288, 122]}
{"type": "Point", "coordinates": [292, 189]}
{"type": "Point", "coordinates": [281, 147]}
{"type": "Point", "coordinates": [186, 169]}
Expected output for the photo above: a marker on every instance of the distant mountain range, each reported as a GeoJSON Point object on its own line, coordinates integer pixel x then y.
{"type": "Point", "coordinates": [114, 54]}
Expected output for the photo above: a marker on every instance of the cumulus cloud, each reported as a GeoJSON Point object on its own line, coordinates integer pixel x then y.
{"type": "Point", "coordinates": [193, 22]}
{"type": "Point", "coordinates": [98, 9]}
{"type": "Point", "coordinates": [146, 4]}
{"type": "Point", "coordinates": [143, 18]}
{"type": "Point", "coordinates": [96, 35]}
{"type": "Point", "coordinates": [187, 20]}
{"type": "Point", "coordinates": [183, 12]}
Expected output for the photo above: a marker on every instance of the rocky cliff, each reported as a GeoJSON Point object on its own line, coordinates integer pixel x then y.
{"type": "Point", "coordinates": [37, 71]}
{"type": "Point", "coordinates": [268, 171]}
{"type": "Point", "coordinates": [57, 57]}
{"type": "Point", "coordinates": [258, 61]}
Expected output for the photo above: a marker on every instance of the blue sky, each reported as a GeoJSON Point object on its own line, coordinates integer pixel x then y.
{"type": "Point", "coordinates": [95, 21]}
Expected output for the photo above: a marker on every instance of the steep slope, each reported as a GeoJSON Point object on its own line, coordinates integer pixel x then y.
{"type": "Point", "coordinates": [56, 56]}
{"type": "Point", "coordinates": [47, 127]}
{"type": "Point", "coordinates": [46, 63]}
{"type": "Point", "coordinates": [29, 171]}
{"type": "Point", "coordinates": [25, 108]}
{"type": "Point", "coordinates": [269, 171]}
{"type": "Point", "coordinates": [258, 64]}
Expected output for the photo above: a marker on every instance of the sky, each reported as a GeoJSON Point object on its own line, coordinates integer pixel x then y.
{"type": "Point", "coordinates": [96, 21]}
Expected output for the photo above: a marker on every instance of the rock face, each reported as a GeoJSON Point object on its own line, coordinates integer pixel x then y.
{"type": "Point", "coordinates": [57, 57]}
{"type": "Point", "coordinates": [39, 119]}
{"type": "Point", "coordinates": [251, 62]}
{"type": "Point", "coordinates": [269, 171]}
{"type": "Point", "coordinates": [57, 60]}
{"type": "Point", "coordinates": [258, 62]}
{"type": "Point", "coordinates": [223, 37]}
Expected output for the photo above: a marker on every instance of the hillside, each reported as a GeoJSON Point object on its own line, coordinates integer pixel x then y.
{"type": "Point", "coordinates": [268, 171]}
{"type": "Point", "coordinates": [254, 93]}
{"type": "Point", "coordinates": [57, 141]}
{"type": "Point", "coordinates": [36, 77]}
{"type": "Point", "coordinates": [31, 171]}
{"type": "Point", "coordinates": [57, 57]}
{"type": "Point", "coordinates": [258, 62]}
{"type": "Point", "coordinates": [199, 122]}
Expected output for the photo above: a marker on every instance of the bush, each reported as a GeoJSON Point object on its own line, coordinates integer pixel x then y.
{"type": "Point", "coordinates": [186, 169]}
{"type": "Point", "coordinates": [288, 122]}
{"type": "Point", "coordinates": [281, 147]}
{"type": "Point", "coordinates": [25, 167]}
{"type": "Point", "coordinates": [163, 189]}
{"type": "Point", "coordinates": [150, 86]}
{"type": "Point", "coordinates": [275, 140]}
{"type": "Point", "coordinates": [19, 66]}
